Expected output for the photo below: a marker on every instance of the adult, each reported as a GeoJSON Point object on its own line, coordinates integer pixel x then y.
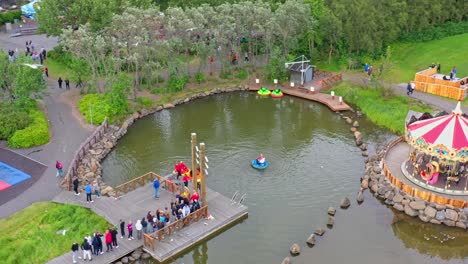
{"type": "Point", "coordinates": [438, 67]}
{"type": "Point", "coordinates": [97, 189]}
{"type": "Point", "coordinates": [194, 197]}
{"type": "Point", "coordinates": [74, 250]}
{"type": "Point", "coordinates": [89, 239]}
{"type": "Point", "coordinates": [130, 230]}
{"type": "Point", "coordinates": [60, 81]}
{"type": "Point", "coordinates": [46, 71]}
{"type": "Point", "coordinates": [76, 182]}
{"type": "Point", "coordinates": [98, 236]}
{"type": "Point", "coordinates": [139, 229]}
{"type": "Point", "coordinates": [186, 179]}
{"type": "Point", "coordinates": [144, 224]}
{"type": "Point", "coordinates": [454, 73]}
{"type": "Point", "coordinates": [114, 232]}
{"type": "Point", "coordinates": [86, 247]}
{"type": "Point", "coordinates": [67, 84]}
{"type": "Point", "coordinates": [156, 188]}
{"type": "Point", "coordinates": [95, 244]}
{"type": "Point", "coordinates": [366, 67]}
{"type": "Point", "coordinates": [59, 167]}
{"type": "Point", "coordinates": [185, 210]}
{"type": "Point", "coordinates": [122, 228]}
{"type": "Point", "coordinates": [108, 238]}
{"type": "Point", "coordinates": [88, 189]}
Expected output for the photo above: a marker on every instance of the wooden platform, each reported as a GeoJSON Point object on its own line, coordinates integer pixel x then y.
{"type": "Point", "coordinates": [325, 99]}
{"type": "Point", "coordinates": [136, 204]}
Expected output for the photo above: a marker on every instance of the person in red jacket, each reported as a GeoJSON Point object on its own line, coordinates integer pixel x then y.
{"type": "Point", "coordinates": [180, 168]}
{"type": "Point", "coordinates": [194, 197]}
{"type": "Point", "coordinates": [108, 237]}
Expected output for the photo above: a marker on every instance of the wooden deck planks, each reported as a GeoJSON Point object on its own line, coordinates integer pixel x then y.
{"type": "Point", "coordinates": [325, 99]}
{"type": "Point", "coordinates": [135, 205]}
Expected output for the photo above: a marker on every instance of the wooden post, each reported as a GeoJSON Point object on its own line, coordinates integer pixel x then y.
{"type": "Point", "coordinates": [194, 161]}
{"type": "Point", "coordinates": [202, 173]}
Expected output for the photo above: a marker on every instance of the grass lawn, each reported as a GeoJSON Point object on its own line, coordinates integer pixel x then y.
{"type": "Point", "coordinates": [389, 113]}
{"type": "Point", "coordinates": [57, 69]}
{"type": "Point", "coordinates": [410, 58]}
{"type": "Point", "coordinates": [29, 236]}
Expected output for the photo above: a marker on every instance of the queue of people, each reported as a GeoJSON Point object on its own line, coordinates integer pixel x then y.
{"type": "Point", "coordinates": [94, 245]}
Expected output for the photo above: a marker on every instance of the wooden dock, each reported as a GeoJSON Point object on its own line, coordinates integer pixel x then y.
{"type": "Point", "coordinates": [136, 204]}
{"type": "Point", "coordinates": [325, 99]}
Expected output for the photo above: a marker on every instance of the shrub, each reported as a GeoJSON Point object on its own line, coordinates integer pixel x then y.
{"type": "Point", "coordinates": [176, 83]}
{"type": "Point", "coordinates": [145, 101]}
{"type": "Point", "coordinates": [242, 74]}
{"type": "Point", "coordinates": [441, 31]}
{"type": "Point", "coordinates": [94, 108]}
{"type": "Point", "coordinates": [10, 16]}
{"type": "Point", "coordinates": [37, 133]}
{"type": "Point", "coordinates": [199, 77]}
{"type": "Point", "coordinates": [11, 120]}
{"type": "Point", "coordinates": [225, 74]}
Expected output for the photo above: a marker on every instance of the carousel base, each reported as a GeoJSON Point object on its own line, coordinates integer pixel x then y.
{"type": "Point", "coordinates": [425, 185]}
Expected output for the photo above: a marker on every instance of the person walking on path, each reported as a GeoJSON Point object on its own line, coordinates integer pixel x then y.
{"type": "Point", "coordinates": [122, 229]}
{"type": "Point", "coordinates": [97, 189]}
{"type": "Point", "coordinates": [156, 188]}
{"type": "Point", "coordinates": [409, 89]}
{"type": "Point", "coordinates": [108, 237]}
{"type": "Point", "coordinates": [60, 81]}
{"type": "Point", "coordinates": [438, 67]}
{"type": "Point", "coordinates": [454, 73]}
{"type": "Point", "coordinates": [86, 247]}
{"type": "Point", "coordinates": [114, 232]}
{"type": "Point", "coordinates": [46, 71]}
{"type": "Point", "coordinates": [76, 182]}
{"type": "Point", "coordinates": [67, 84]}
{"type": "Point", "coordinates": [59, 167]}
{"type": "Point", "coordinates": [75, 252]}
{"type": "Point", "coordinates": [130, 230]}
{"type": "Point", "coordinates": [88, 190]}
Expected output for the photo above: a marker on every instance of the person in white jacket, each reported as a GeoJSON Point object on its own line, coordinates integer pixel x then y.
{"type": "Point", "coordinates": [139, 229]}
{"type": "Point", "coordinates": [185, 210]}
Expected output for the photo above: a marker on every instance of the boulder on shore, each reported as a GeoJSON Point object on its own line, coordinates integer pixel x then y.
{"type": "Point", "coordinates": [295, 249]}
{"type": "Point", "coordinates": [345, 203]}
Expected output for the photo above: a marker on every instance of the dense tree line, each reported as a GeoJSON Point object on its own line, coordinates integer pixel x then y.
{"type": "Point", "coordinates": [343, 26]}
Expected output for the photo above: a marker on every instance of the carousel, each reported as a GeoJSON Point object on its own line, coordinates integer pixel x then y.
{"type": "Point", "coordinates": [438, 151]}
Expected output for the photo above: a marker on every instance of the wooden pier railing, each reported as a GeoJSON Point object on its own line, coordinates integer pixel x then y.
{"type": "Point", "coordinates": [149, 239]}
{"type": "Point", "coordinates": [144, 179]}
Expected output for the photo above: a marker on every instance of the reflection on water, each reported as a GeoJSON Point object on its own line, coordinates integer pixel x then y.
{"type": "Point", "coordinates": [313, 164]}
{"type": "Point", "coordinates": [434, 240]}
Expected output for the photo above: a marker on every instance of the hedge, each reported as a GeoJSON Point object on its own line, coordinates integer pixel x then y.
{"type": "Point", "coordinates": [10, 16]}
{"type": "Point", "coordinates": [37, 133]}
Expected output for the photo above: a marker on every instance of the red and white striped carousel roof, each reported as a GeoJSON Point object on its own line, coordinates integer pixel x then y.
{"type": "Point", "coordinates": [449, 130]}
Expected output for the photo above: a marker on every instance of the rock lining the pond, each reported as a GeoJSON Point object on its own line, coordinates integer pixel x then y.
{"type": "Point", "coordinates": [345, 203]}
{"type": "Point", "coordinates": [319, 231]}
{"type": "Point", "coordinates": [311, 240]}
{"type": "Point", "coordinates": [286, 260]}
{"type": "Point", "coordinates": [425, 211]}
{"type": "Point", "coordinates": [331, 211]}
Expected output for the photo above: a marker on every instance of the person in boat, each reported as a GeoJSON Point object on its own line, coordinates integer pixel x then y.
{"type": "Point", "coordinates": [261, 159]}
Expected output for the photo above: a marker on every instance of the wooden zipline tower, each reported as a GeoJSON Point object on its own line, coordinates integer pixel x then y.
{"type": "Point", "coordinates": [199, 159]}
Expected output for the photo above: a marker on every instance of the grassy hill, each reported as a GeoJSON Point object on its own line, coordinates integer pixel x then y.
{"type": "Point", "coordinates": [410, 58]}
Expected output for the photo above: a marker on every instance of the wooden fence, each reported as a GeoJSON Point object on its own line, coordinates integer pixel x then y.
{"type": "Point", "coordinates": [149, 239]}
{"type": "Point", "coordinates": [84, 147]}
{"type": "Point", "coordinates": [144, 179]}
{"type": "Point", "coordinates": [425, 195]}
{"type": "Point", "coordinates": [426, 82]}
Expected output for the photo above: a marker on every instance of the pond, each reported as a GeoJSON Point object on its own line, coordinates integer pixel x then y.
{"type": "Point", "coordinates": [314, 163]}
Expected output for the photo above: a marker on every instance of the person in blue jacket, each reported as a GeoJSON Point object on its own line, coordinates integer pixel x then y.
{"type": "Point", "coordinates": [88, 189]}
{"type": "Point", "coordinates": [156, 188]}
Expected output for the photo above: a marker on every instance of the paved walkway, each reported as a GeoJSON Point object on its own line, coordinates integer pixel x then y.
{"type": "Point", "coordinates": [439, 102]}
{"type": "Point", "coordinates": [66, 130]}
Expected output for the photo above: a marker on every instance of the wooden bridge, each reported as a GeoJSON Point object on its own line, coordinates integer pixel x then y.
{"type": "Point", "coordinates": [136, 198]}
{"type": "Point", "coordinates": [332, 102]}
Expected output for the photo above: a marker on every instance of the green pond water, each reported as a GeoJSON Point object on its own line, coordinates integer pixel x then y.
{"type": "Point", "coordinates": [314, 163]}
